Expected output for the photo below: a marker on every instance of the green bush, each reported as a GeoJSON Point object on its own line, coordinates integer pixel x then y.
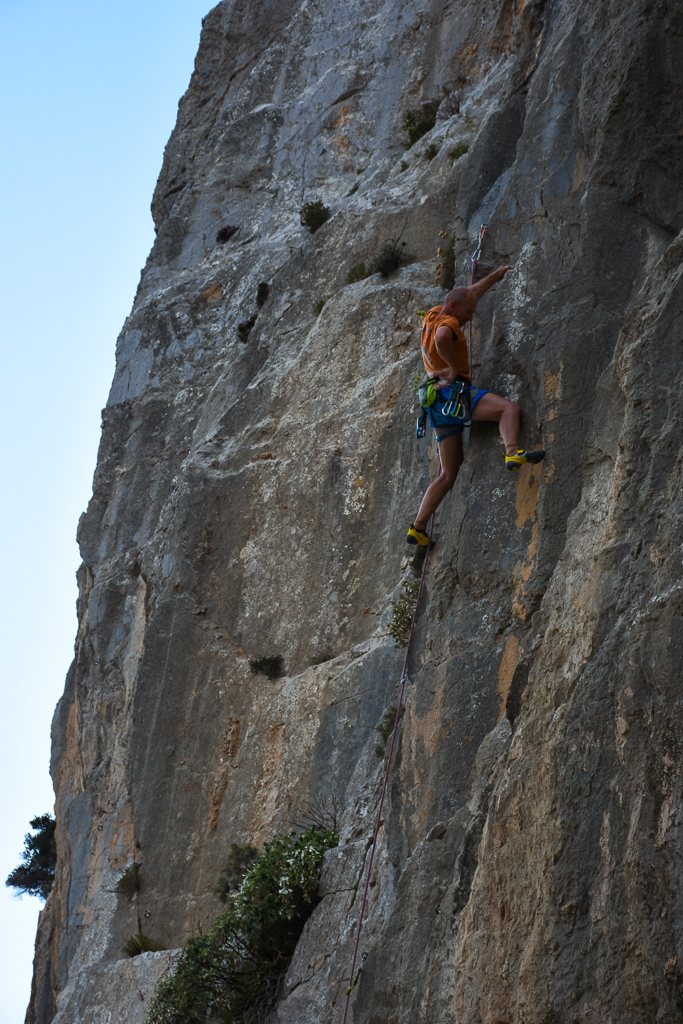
{"type": "Point", "coordinates": [319, 306]}
{"type": "Point", "coordinates": [140, 943]}
{"type": "Point", "coordinates": [240, 860]}
{"type": "Point", "coordinates": [129, 882]}
{"type": "Point", "coordinates": [244, 329]}
{"type": "Point", "coordinates": [354, 188]}
{"type": "Point", "coordinates": [270, 667]}
{"type": "Point", "coordinates": [430, 151]}
{"type": "Point", "coordinates": [262, 293]}
{"type": "Point", "coordinates": [231, 974]}
{"type": "Point", "coordinates": [320, 659]}
{"type": "Point", "coordinates": [455, 152]}
{"type": "Point", "coordinates": [36, 873]}
{"type": "Point", "coordinates": [389, 258]}
{"type": "Point", "coordinates": [358, 273]}
{"type": "Point", "coordinates": [313, 215]}
{"type": "Point", "coordinates": [402, 613]}
{"type": "Point", "coordinates": [417, 123]}
{"type": "Point", "coordinates": [386, 726]}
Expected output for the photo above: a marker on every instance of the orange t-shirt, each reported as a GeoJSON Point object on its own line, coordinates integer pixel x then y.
{"type": "Point", "coordinates": [434, 364]}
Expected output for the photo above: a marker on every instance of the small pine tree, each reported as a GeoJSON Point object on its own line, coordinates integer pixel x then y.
{"type": "Point", "coordinates": [36, 873]}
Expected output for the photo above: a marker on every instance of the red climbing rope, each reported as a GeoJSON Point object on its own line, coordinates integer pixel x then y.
{"type": "Point", "coordinates": [475, 259]}
{"type": "Point", "coordinates": [378, 819]}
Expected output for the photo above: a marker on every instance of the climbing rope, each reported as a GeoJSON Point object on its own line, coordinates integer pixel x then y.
{"type": "Point", "coordinates": [353, 981]}
{"type": "Point", "coordinates": [474, 258]}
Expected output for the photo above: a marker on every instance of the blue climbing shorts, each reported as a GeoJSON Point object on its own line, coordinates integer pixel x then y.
{"type": "Point", "coordinates": [444, 425]}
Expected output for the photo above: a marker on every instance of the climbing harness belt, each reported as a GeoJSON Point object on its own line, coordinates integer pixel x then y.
{"type": "Point", "coordinates": [353, 977]}
{"type": "Point", "coordinates": [474, 258]}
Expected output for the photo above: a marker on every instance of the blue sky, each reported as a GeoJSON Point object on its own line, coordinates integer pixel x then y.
{"type": "Point", "coordinates": [88, 98]}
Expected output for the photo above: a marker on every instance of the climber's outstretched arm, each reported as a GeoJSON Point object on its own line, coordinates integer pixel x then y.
{"type": "Point", "coordinates": [481, 287]}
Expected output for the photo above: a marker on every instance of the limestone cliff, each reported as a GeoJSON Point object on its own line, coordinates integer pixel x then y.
{"type": "Point", "coordinates": [250, 500]}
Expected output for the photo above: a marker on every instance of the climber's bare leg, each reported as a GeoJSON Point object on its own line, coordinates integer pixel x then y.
{"type": "Point", "coordinates": [450, 454]}
{"type": "Point", "coordinates": [503, 412]}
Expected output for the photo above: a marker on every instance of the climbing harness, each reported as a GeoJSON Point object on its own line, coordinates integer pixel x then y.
{"type": "Point", "coordinates": [353, 977]}
{"type": "Point", "coordinates": [474, 259]}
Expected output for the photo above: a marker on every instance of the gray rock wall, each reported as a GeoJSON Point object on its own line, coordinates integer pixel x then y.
{"type": "Point", "coordinates": [250, 500]}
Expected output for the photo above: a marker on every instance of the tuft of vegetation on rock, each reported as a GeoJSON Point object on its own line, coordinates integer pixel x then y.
{"type": "Point", "coordinates": [141, 943]}
{"type": "Point", "coordinates": [354, 188]}
{"type": "Point", "coordinates": [430, 151]}
{"type": "Point", "coordinates": [450, 104]}
{"type": "Point", "coordinates": [418, 122]}
{"type": "Point", "coordinates": [386, 725]}
{"type": "Point", "coordinates": [313, 215]}
{"type": "Point", "coordinates": [244, 329]}
{"type": "Point", "coordinates": [232, 974]}
{"type": "Point", "coordinates": [389, 259]}
{"type": "Point", "coordinates": [273, 667]}
{"type": "Point", "coordinates": [129, 882]}
{"type": "Point", "coordinates": [262, 293]}
{"type": "Point", "coordinates": [319, 306]}
{"type": "Point", "coordinates": [358, 273]}
{"type": "Point", "coordinates": [322, 813]}
{"type": "Point", "coordinates": [455, 152]}
{"type": "Point", "coordinates": [320, 659]}
{"type": "Point", "coordinates": [226, 232]}
{"type": "Point", "coordinates": [36, 872]}
{"type": "Point", "coordinates": [402, 613]}
{"type": "Point", "coordinates": [240, 860]}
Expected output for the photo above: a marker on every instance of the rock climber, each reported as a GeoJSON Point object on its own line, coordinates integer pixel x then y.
{"type": "Point", "coordinates": [444, 353]}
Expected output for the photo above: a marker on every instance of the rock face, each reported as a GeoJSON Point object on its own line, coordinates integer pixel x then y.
{"type": "Point", "coordinates": [251, 497]}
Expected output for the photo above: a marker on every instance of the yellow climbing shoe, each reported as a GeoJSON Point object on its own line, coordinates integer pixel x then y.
{"type": "Point", "coordinates": [416, 536]}
{"type": "Point", "coordinates": [521, 457]}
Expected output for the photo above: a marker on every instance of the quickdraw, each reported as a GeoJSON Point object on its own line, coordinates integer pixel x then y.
{"type": "Point", "coordinates": [474, 259]}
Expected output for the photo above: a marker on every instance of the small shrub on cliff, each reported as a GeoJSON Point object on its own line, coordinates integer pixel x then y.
{"type": "Point", "coordinates": [232, 973]}
{"type": "Point", "coordinates": [129, 882]}
{"type": "Point", "coordinates": [386, 726]}
{"type": "Point", "coordinates": [402, 613]}
{"type": "Point", "coordinates": [320, 659]}
{"type": "Point", "coordinates": [226, 232]}
{"type": "Point", "coordinates": [36, 872]}
{"type": "Point", "coordinates": [358, 273]}
{"type": "Point", "coordinates": [273, 667]}
{"type": "Point", "coordinates": [430, 151]}
{"type": "Point", "coordinates": [313, 215]}
{"type": "Point", "coordinates": [417, 123]}
{"type": "Point", "coordinates": [140, 943]}
{"type": "Point", "coordinates": [244, 329]}
{"type": "Point", "coordinates": [240, 860]}
{"type": "Point", "coordinates": [455, 152]}
{"type": "Point", "coordinates": [389, 258]}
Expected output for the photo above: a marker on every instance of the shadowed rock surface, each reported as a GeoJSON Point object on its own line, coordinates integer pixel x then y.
{"type": "Point", "coordinates": [250, 500]}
